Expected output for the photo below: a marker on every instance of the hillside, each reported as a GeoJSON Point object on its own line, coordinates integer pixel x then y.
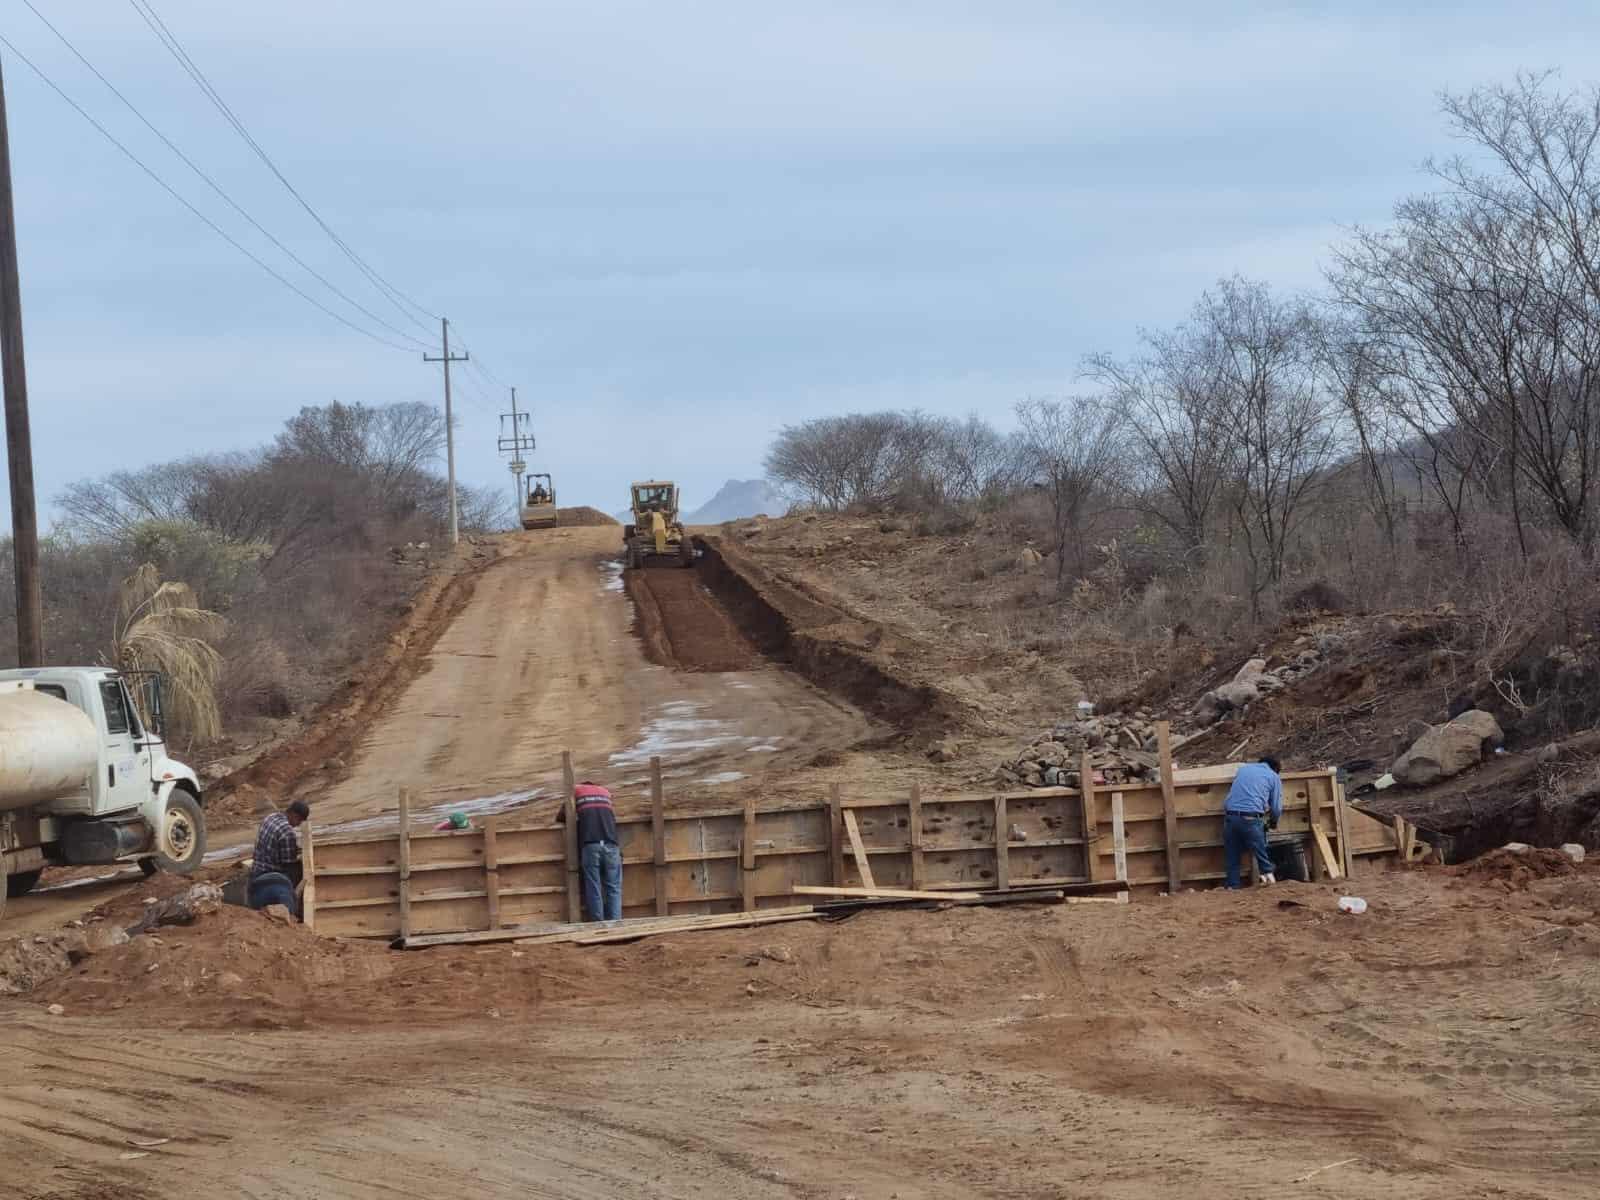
{"type": "Point", "coordinates": [972, 613]}
{"type": "Point", "coordinates": [736, 499]}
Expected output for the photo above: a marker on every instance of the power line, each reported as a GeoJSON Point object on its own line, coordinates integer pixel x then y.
{"type": "Point", "coordinates": [168, 39]}
{"type": "Point", "coordinates": [217, 188]}
{"type": "Point", "coordinates": [178, 196]}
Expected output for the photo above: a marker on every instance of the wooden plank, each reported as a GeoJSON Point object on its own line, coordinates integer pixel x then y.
{"type": "Point", "coordinates": [747, 856]}
{"type": "Point", "coordinates": [805, 889]}
{"type": "Point", "coordinates": [491, 872]}
{"type": "Point", "coordinates": [918, 865]}
{"type": "Point", "coordinates": [570, 841]}
{"type": "Point", "coordinates": [308, 863]}
{"type": "Point", "coordinates": [1119, 898]}
{"type": "Point", "coordinates": [1002, 846]}
{"type": "Point", "coordinates": [405, 862]}
{"type": "Point", "coordinates": [863, 867]}
{"type": "Point", "coordinates": [1119, 838]}
{"type": "Point", "coordinates": [728, 921]}
{"type": "Point", "coordinates": [835, 834]}
{"type": "Point", "coordinates": [1330, 864]}
{"type": "Point", "coordinates": [1091, 818]}
{"type": "Point", "coordinates": [658, 837]}
{"type": "Point", "coordinates": [1169, 808]}
{"type": "Point", "coordinates": [1346, 858]}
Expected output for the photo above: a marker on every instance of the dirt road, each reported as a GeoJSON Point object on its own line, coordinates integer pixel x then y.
{"type": "Point", "coordinates": [543, 660]}
{"type": "Point", "coordinates": [1440, 1047]}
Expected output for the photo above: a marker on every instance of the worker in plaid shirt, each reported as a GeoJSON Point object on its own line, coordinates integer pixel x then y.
{"type": "Point", "coordinates": [276, 870]}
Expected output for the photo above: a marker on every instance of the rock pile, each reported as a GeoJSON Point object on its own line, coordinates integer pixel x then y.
{"type": "Point", "coordinates": [1254, 680]}
{"type": "Point", "coordinates": [1121, 749]}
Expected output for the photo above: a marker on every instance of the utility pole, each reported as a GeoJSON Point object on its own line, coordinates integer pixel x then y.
{"type": "Point", "coordinates": [19, 440]}
{"type": "Point", "coordinates": [449, 421]}
{"type": "Point", "coordinates": [515, 443]}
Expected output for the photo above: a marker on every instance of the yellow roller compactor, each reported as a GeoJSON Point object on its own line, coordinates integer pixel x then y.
{"type": "Point", "coordinates": [539, 504]}
{"type": "Point", "coordinates": [656, 535]}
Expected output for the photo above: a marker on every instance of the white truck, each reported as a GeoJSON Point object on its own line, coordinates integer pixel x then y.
{"type": "Point", "coordinates": [83, 779]}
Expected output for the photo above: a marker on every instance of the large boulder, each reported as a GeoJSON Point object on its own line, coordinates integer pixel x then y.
{"type": "Point", "coordinates": [1251, 669]}
{"type": "Point", "coordinates": [1238, 693]}
{"type": "Point", "coordinates": [1447, 750]}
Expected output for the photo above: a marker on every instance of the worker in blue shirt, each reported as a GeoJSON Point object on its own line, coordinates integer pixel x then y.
{"type": "Point", "coordinates": [1254, 805]}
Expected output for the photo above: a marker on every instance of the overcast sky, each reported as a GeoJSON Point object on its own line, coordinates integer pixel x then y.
{"type": "Point", "coordinates": [677, 226]}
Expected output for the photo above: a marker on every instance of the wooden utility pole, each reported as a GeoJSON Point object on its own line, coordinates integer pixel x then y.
{"type": "Point", "coordinates": [449, 422]}
{"type": "Point", "coordinates": [19, 440]}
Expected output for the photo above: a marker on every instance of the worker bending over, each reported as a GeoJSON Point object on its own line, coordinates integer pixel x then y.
{"type": "Point", "coordinates": [276, 871]}
{"type": "Point", "coordinates": [598, 854]}
{"type": "Point", "coordinates": [1254, 805]}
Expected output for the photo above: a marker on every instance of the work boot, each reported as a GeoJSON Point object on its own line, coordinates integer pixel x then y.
{"type": "Point", "coordinates": [1267, 879]}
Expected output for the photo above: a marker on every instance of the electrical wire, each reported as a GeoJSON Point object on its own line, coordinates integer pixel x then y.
{"type": "Point", "coordinates": [181, 199]}
{"type": "Point", "coordinates": [218, 189]}
{"type": "Point", "coordinates": [168, 39]}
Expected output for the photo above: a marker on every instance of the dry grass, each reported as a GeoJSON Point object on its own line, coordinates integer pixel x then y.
{"type": "Point", "coordinates": [161, 627]}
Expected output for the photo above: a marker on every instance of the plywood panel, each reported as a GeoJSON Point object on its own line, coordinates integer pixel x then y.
{"type": "Point", "coordinates": [525, 910]}
{"type": "Point", "coordinates": [886, 827]}
{"type": "Point", "coordinates": [952, 823]}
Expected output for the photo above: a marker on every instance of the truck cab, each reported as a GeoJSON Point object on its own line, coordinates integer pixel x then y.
{"type": "Point", "coordinates": [90, 781]}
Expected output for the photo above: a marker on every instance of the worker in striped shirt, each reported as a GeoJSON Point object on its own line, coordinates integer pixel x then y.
{"type": "Point", "coordinates": [598, 854]}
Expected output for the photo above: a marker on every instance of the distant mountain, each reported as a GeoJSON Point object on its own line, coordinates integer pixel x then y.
{"type": "Point", "coordinates": [738, 498]}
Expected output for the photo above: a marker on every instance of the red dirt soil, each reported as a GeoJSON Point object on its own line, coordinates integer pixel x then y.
{"type": "Point", "coordinates": [682, 626]}
{"type": "Point", "coordinates": [1223, 1044]}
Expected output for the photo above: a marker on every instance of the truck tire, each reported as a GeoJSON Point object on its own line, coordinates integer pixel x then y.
{"type": "Point", "coordinates": [23, 882]}
{"type": "Point", "coordinates": [686, 551]}
{"type": "Point", "coordinates": [181, 840]}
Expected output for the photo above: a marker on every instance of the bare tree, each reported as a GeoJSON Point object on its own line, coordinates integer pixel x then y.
{"type": "Point", "coordinates": [1482, 305]}
{"type": "Point", "coordinates": [1283, 422]}
{"type": "Point", "coordinates": [1172, 396]}
{"type": "Point", "coordinates": [1070, 448]}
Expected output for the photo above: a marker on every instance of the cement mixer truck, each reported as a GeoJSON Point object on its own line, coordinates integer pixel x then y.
{"type": "Point", "coordinates": [85, 778]}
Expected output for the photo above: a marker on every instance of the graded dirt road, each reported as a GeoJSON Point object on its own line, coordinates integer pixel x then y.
{"type": "Point", "coordinates": [543, 659]}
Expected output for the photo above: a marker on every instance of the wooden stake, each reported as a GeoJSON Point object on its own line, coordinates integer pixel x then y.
{"type": "Point", "coordinates": [1119, 837]}
{"type": "Point", "coordinates": [835, 835]}
{"type": "Point", "coordinates": [308, 898]}
{"type": "Point", "coordinates": [1169, 809]}
{"type": "Point", "coordinates": [1329, 863]}
{"type": "Point", "coordinates": [1091, 819]}
{"type": "Point", "coordinates": [747, 855]}
{"type": "Point", "coordinates": [658, 838]}
{"type": "Point", "coordinates": [405, 862]}
{"type": "Point", "coordinates": [918, 870]}
{"type": "Point", "coordinates": [863, 867]}
{"type": "Point", "coordinates": [1002, 846]}
{"type": "Point", "coordinates": [1346, 855]}
{"type": "Point", "coordinates": [491, 872]}
{"type": "Point", "coordinates": [570, 846]}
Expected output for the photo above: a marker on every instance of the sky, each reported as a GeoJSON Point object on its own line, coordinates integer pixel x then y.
{"type": "Point", "coordinates": [678, 227]}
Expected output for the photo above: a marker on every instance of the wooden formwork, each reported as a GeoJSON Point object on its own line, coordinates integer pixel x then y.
{"type": "Point", "coordinates": [511, 872]}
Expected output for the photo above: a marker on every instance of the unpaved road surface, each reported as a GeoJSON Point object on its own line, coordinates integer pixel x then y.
{"type": "Point", "coordinates": [1443, 1046]}
{"type": "Point", "coordinates": [543, 659]}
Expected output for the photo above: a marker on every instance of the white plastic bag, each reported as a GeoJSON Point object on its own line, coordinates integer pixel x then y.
{"type": "Point", "coordinates": [1354, 905]}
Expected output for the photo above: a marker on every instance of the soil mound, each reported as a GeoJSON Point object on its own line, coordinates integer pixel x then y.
{"type": "Point", "coordinates": [1516, 869]}
{"type": "Point", "coordinates": [583, 515]}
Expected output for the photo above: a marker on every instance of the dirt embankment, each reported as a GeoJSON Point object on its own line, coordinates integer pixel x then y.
{"type": "Point", "coordinates": [856, 660]}
{"type": "Point", "coordinates": [582, 515]}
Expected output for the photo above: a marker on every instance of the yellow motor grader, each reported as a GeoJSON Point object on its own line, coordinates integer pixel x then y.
{"type": "Point", "coordinates": [656, 535]}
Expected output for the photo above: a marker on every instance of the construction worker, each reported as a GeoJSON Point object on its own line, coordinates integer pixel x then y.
{"type": "Point", "coordinates": [277, 870]}
{"type": "Point", "coordinates": [598, 854]}
{"type": "Point", "coordinates": [1254, 805]}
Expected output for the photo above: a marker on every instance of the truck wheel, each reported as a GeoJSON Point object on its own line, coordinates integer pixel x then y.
{"type": "Point", "coordinates": [181, 840]}
{"type": "Point", "coordinates": [686, 551]}
{"type": "Point", "coordinates": [22, 882]}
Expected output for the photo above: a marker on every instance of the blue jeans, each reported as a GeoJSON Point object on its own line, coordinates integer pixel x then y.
{"type": "Point", "coordinates": [272, 887]}
{"type": "Point", "coordinates": [1241, 832]}
{"type": "Point", "coordinates": [602, 881]}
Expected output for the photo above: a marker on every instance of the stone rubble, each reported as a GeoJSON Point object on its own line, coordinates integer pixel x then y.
{"type": "Point", "coordinates": [1121, 749]}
